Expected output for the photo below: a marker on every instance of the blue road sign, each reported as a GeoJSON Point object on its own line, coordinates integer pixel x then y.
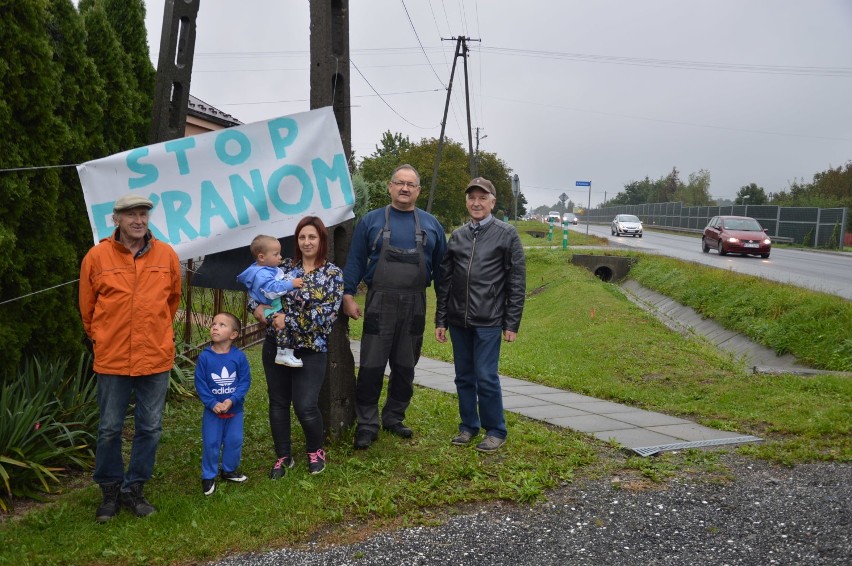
{"type": "Point", "coordinates": [583, 184]}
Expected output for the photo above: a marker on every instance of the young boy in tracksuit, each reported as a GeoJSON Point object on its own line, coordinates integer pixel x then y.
{"type": "Point", "coordinates": [222, 379]}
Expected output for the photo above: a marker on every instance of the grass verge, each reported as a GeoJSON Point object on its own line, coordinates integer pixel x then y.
{"type": "Point", "coordinates": [578, 334]}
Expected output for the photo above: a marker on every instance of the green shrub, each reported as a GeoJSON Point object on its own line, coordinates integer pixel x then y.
{"type": "Point", "coordinates": [49, 419]}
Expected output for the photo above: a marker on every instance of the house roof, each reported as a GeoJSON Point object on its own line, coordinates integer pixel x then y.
{"type": "Point", "coordinates": [199, 108]}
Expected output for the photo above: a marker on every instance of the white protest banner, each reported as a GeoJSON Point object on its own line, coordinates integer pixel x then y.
{"type": "Point", "coordinates": [217, 191]}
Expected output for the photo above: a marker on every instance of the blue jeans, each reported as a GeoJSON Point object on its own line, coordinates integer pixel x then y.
{"type": "Point", "coordinates": [477, 352]}
{"type": "Point", "coordinates": [113, 399]}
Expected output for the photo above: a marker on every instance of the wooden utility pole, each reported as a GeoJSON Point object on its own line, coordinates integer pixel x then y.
{"type": "Point", "coordinates": [330, 87]}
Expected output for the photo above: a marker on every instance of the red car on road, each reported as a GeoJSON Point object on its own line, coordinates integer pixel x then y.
{"type": "Point", "coordinates": [736, 234]}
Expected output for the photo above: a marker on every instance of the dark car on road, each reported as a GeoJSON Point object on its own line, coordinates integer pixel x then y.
{"type": "Point", "coordinates": [626, 225]}
{"type": "Point", "coordinates": [736, 234]}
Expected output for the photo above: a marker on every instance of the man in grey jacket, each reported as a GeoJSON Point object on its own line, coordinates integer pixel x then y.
{"type": "Point", "coordinates": [480, 296]}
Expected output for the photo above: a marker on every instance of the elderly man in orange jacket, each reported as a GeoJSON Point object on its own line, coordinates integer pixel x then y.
{"type": "Point", "coordinates": [129, 294]}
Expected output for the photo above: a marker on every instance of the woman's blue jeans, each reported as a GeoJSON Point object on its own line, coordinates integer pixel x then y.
{"type": "Point", "coordinates": [114, 393]}
{"type": "Point", "coordinates": [476, 351]}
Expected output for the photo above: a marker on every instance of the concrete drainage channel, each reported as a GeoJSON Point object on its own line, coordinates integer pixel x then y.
{"type": "Point", "coordinates": [686, 321]}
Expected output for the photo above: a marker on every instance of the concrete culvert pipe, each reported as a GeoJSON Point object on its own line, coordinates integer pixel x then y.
{"type": "Point", "coordinates": [604, 273]}
{"type": "Point", "coordinates": [606, 267]}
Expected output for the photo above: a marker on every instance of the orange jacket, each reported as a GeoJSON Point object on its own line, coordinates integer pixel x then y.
{"type": "Point", "coordinates": [128, 307]}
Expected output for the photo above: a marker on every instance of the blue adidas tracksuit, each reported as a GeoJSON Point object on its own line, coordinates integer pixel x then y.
{"type": "Point", "coordinates": [219, 377]}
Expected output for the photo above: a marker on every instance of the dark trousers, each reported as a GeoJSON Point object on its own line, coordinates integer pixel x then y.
{"type": "Point", "coordinates": [299, 387]}
{"type": "Point", "coordinates": [393, 333]}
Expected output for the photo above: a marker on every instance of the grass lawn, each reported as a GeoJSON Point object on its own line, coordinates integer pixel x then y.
{"type": "Point", "coordinates": [578, 334]}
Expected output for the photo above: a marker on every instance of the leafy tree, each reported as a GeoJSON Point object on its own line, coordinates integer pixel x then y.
{"type": "Point", "coordinates": [362, 196]}
{"type": "Point", "coordinates": [697, 191]}
{"type": "Point", "coordinates": [667, 190]}
{"type": "Point", "coordinates": [387, 157]}
{"type": "Point", "coordinates": [33, 252]}
{"type": "Point", "coordinates": [751, 194]}
{"type": "Point", "coordinates": [829, 189]}
{"type": "Point", "coordinates": [495, 170]}
{"type": "Point", "coordinates": [636, 192]}
{"type": "Point", "coordinates": [453, 176]}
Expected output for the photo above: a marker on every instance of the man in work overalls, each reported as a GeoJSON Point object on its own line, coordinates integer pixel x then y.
{"type": "Point", "coordinates": [396, 251]}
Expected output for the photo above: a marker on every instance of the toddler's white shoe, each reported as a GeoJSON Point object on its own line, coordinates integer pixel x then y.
{"type": "Point", "coordinates": [286, 357]}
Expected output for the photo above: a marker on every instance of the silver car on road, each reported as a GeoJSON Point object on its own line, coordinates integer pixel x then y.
{"type": "Point", "coordinates": [626, 225]}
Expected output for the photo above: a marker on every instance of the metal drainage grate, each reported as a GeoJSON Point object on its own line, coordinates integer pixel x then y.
{"type": "Point", "coordinates": [651, 450]}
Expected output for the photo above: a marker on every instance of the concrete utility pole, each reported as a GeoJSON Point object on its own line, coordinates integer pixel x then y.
{"type": "Point", "coordinates": [174, 70]}
{"type": "Point", "coordinates": [476, 162]}
{"type": "Point", "coordinates": [472, 160]}
{"type": "Point", "coordinates": [461, 49]}
{"type": "Point", "coordinates": [443, 129]}
{"type": "Point", "coordinates": [330, 87]}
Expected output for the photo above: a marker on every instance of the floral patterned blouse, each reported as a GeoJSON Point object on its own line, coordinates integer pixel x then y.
{"type": "Point", "coordinates": [312, 309]}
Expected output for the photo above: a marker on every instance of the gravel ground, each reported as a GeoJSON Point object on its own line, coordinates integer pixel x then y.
{"type": "Point", "coordinates": [765, 515]}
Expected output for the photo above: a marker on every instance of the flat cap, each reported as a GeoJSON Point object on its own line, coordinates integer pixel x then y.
{"type": "Point", "coordinates": [482, 183]}
{"type": "Point", "coordinates": [131, 201]}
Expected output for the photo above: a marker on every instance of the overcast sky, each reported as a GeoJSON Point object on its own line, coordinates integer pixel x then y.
{"type": "Point", "coordinates": [605, 91]}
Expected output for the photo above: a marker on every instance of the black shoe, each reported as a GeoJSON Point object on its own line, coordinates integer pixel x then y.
{"type": "Point", "coordinates": [400, 430]}
{"type": "Point", "coordinates": [110, 506]}
{"type": "Point", "coordinates": [208, 486]}
{"type": "Point", "coordinates": [364, 438]}
{"type": "Point", "coordinates": [134, 500]}
{"type": "Point", "coordinates": [280, 468]}
{"type": "Point", "coordinates": [234, 476]}
{"type": "Point", "coordinates": [316, 461]}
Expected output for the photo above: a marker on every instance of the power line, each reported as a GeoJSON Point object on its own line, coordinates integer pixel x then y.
{"type": "Point", "coordinates": [385, 101]}
{"type": "Point", "coordinates": [675, 63]}
{"type": "Point", "coordinates": [306, 100]}
{"type": "Point", "coordinates": [37, 292]}
{"type": "Point", "coordinates": [763, 68]}
{"type": "Point", "coordinates": [404, 7]}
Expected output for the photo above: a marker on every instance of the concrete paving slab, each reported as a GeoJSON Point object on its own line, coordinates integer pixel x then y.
{"type": "Point", "coordinates": [511, 381]}
{"type": "Point", "coordinates": [517, 401]}
{"type": "Point", "coordinates": [602, 407]}
{"type": "Point", "coordinates": [590, 423]}
{"type": "Point", "coordinates": [631, 427]}
{"type": "Point", "coordinates": [565, 398]}
{"type": "Point", "coordinates": [635, 437]}
{"type": "Point", "coordinates": [426, 363]}
{"type": "Point", "coordinates": [529, 389]}
{"type": "Point", "coordinates": [549, 411]}
{"type": "Point", "coordinates": [692, 432]}
{"type": "Point", "coordinates": [430, 380]}
{"type": "Point", "coordinates": [647, 418]}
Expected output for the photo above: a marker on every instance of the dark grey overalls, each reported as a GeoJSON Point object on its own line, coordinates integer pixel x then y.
{"type": "Point", "coordinates": [394, 320]}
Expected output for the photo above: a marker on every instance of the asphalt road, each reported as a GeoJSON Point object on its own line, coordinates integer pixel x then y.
{"type": "Point", "coordinates": [820, 271]}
